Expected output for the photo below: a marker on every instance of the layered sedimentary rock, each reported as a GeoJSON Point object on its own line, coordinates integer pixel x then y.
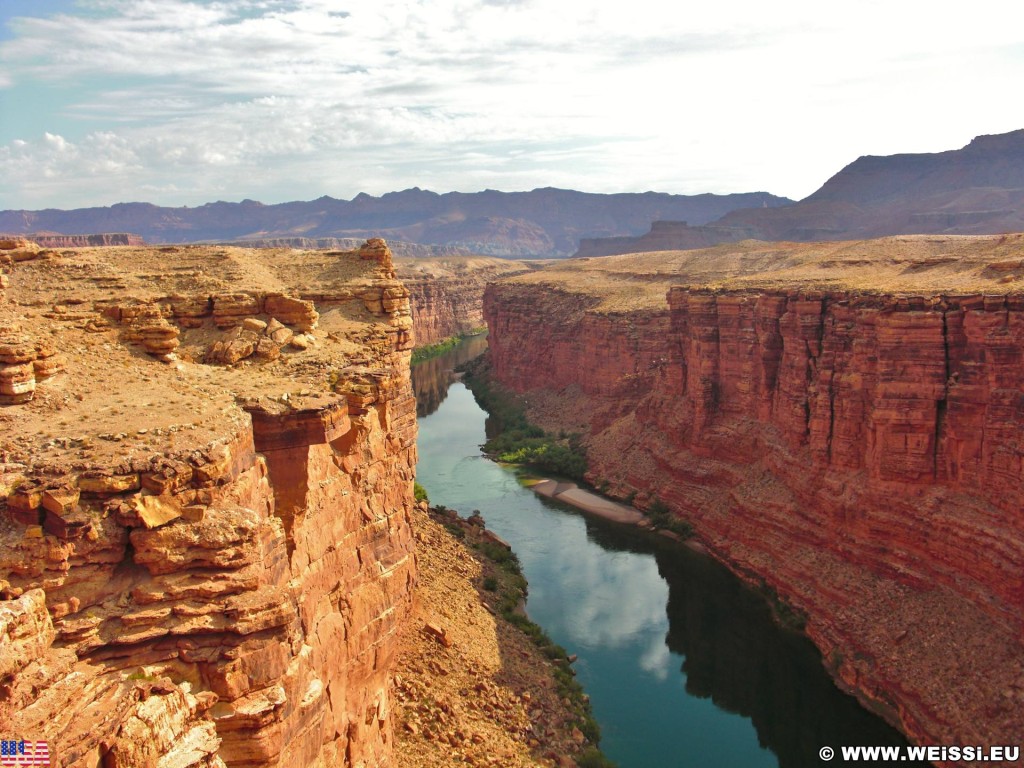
{"type": "Point", "coordinates": [398, 248]}
{"type": "Point", "coordinates": [206, 564]}
{"type": "Point", "coordinates": [52, 240]}
{"type": "Point", "coordinates": [835, 424]}
{"type": "Point", "coordinates": [447, 294]}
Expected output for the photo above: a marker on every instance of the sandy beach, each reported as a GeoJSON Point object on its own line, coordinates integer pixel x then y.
{"type": "Point", "coordinates": [572, 494]}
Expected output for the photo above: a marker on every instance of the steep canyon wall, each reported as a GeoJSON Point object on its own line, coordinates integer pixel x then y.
{"type": "Point", "coordinates": [858, 454]}
{"type": "Point", "coordinates": [205, 563]}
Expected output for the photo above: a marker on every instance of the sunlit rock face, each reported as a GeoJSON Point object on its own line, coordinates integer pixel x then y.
{"type": "Point", "coordinates": [207, 562]}
{"type": "Point", "coordinates": [856, 452]}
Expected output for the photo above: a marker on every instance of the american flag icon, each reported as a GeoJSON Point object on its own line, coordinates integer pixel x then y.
{"type": "Point", "coordinates": [18, 752]}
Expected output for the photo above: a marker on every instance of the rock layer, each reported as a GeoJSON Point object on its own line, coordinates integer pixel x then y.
{"type": "Point", "coordinates": [227, 591]}
{"type": "Point", "coordinates": [52, 240]}
{"type": "Point", "coordinates": [858, 454]}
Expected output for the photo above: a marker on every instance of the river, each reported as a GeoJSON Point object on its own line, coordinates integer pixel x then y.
{"type": "Point", "coordinates": [683, 663]}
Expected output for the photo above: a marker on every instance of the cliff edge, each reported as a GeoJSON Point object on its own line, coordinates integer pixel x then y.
{"type": "Point", "coordinates": [206, 468]}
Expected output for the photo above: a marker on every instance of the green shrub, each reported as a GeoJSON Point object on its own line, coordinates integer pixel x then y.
{"type": "Point", "coordinates": [436, 350]}
{"type": "Point", "coordinates": [658, 508]}
{"type": "Point", "coordinates": [592, 757]}
{"type": "Point", "coordinates": [502, 556]}
{"type": "Point", "coordinates": [554, 651]}
{"type": "Point", "coordinates": [419, 492]}
{"type": "Point", "coordinates": [786, 616]}
{"type": "Point", "coordinates": [455, 530]}
{"type": "Point", "coordinates": [659, 513]}
{"type": "Point", "coordinates": [514, 440]}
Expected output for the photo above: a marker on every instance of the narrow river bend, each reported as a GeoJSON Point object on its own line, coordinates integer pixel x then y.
{"type": "Point", "coordinates": [683, 663]}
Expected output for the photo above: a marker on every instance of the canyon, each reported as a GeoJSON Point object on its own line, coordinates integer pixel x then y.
{"type": "Point", "coordinates": [839, 422]}
{"type": "Point", "coordinates": [206, 481]}
{"type": "Point", "coordinates": [447, 294]}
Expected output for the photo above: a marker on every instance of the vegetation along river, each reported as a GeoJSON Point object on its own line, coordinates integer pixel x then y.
{"type": "Point", "coordinates": [683, 663]}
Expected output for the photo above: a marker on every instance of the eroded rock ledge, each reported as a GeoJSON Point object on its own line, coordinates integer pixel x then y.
{"type": "Point", "coordinates": [204, 563]}
{"type": "Point", "coordinates": [857, 450]}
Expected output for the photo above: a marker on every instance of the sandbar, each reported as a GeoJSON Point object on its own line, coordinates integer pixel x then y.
{"type": "Point", "coordinates": [572, 494]}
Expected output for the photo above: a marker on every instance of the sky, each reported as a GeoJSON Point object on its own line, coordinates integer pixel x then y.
{"type": "Point", "coordinates": [182, 102]}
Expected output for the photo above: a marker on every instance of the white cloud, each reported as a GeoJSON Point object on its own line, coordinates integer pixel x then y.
{"type": "Point", "coordinates": [460, 94]}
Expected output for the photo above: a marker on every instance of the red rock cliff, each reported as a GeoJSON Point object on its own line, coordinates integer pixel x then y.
{"type": "Point", "coordinates": [207, 565]}
{"type": "Point", "coordinates": [860, 454]}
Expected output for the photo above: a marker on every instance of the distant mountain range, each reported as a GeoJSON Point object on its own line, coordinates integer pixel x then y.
{"type": "Point", "coordinates": [975, 190]}
{"type": "Point", "coordinates": [542, 223]}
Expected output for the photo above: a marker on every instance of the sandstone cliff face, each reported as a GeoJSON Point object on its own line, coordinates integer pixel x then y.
{"type": "Point", "coordinates": [208, 565]}
{"type": "Point", "coordinates": [858, 454]}
{"type": "Point", "coordinates": [447, 294]}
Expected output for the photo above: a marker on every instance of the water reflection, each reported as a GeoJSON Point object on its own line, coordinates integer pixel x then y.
{"type": "Point", "coordinates": [431, 378]}
{"type": "Point", "coordinates": [682, 661]}
{"type": "Point", "coordinates": [736, 656]}
{"type": "Point", "coordinates": [618, 597]}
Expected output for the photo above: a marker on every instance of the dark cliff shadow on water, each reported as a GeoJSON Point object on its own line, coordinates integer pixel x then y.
{"type": "Point", "coordinates": [737, 656]}
{"type": "Point", "coordinates": [432, 377]}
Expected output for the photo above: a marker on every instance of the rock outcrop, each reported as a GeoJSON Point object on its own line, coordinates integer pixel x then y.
{"type": "Point", "coordinates": [205, 565]}
{"type": "Point", "coordinates": [835, 428]}
{"type": "Point", "coordinates": [23, 362]}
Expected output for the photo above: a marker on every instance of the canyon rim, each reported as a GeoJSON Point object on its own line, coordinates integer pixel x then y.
{"type": "Point", "coordinates": [208, 460]}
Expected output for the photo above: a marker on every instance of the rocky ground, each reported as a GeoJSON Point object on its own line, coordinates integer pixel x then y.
{"type": "Point", "coordinates": [103, 317]}
{"type": "Point", "coordinates": [905, 264]}
{"type": "Point", "coordinates": [471, 688]}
